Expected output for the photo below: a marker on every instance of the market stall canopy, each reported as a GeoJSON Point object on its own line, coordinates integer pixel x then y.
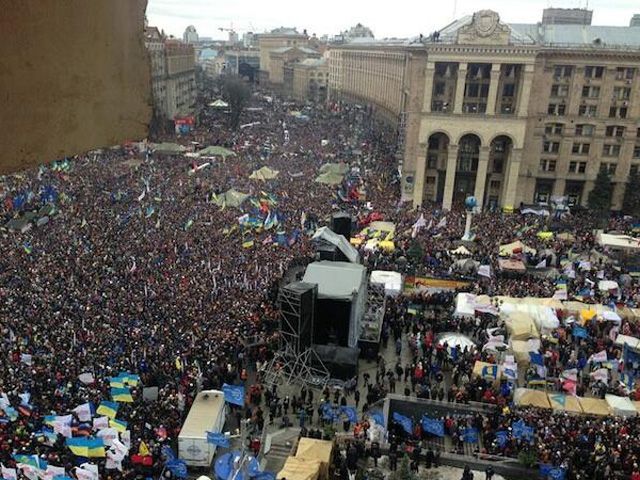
{"type": "Point", "coordinates": [566, 237]}
{"type": "Point", "coordinates": [564, 403]}
{"type": "Point", "coordinates": [338, 168]}
{"type": "Point", "coordinates": [515, 247]}
{"type": "Point", "coordinates": [264, 173]}
{"type": "Point", "coordinates": [622, 340]}
{"type": "Point", "coordinates": [594, 406]}
{"type": "Point", "coordinates": [522, 348]}
{"type": "Point", "coordinates": [329, 178]}
{"type": "Point", "coordinates": [216, 151]}
{"type": "Point", "coordinates": [618, 242]}
{"type": "Point", "coordinates": [168, 148]}
{"type": "Point", "coordinates": [392, 281]}
{"type": "Point", "coordinates": [520, 326]}
{"type": "Point", "coordinates": [453, 339]}
{"type": "Point", "coordinates": [219, 103]}
{"type": "Point", "coordinates": [299, 469]}
{"type": "Point", "coordinates": [316, 450]}
{"type": "Point", "coordinates": [607, 285]}
{"type": "Point", "coordinates": [231, 198]}
{"type": "Point", "coordinates": [510, 265]}
{"type": "Point", "coordinates": [461, 250]}
{"type": "Point", "coordinates": [541, 310]}
{"type": "Point", "coordinates": [526, 397]}
{"type": "Point", "coordinates": [620, 406]}
{"type": "Point", "coordinates": [326, 235]}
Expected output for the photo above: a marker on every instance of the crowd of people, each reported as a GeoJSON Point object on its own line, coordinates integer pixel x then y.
{"type": "Point", "coordinates": [141, 270]}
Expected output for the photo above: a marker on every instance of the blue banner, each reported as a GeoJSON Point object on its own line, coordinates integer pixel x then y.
{"type": "Point", "coordinates": [377, 417]}
{"type": "Point", "coordinates": [521, 430]}
{"type": "Point", "coordinates": [218, 439]}
{"type": "Point", "coordinates": [433, 426]}
{"type": "Point", "coordinates": [536, 358]}
{"type": "Point", "coordinates": [350, 412]}
{"type": "Point", "coordinates": [579, 332]}
{"type": "Point", "coordinates": [233, 394]}
{"type": "Point", "coordinates": [167, 452]}
{"type": "Point", "coordinates": [470, 435]}
{"type": "Point", "coordinates": [177, 467]}
{"type": "Point", "coordinates": [405, 422]}
{"type": "Point", "coordinates": [551, 472]}
{"type": "Point", "coordinates": [502, 437]}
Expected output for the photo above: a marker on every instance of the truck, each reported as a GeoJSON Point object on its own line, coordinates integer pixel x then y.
{"type": "Point", "coordinates": [207, 414]}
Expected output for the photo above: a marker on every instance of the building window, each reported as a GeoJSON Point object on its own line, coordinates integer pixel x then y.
{"type": "Point", "coordinates": [432, 160]}
{"type": "Point", "coordinates": [618, 112]}
{"type": "Point", "coordinates": [581, 148]}
{"type": "Point", "coordinates": [588, 110]}
{"type": "Point", "coordinates": [577, 167]}
{"type": "Point", "coordinates": [590, 92]}
{"type": "Point", "coordinates": [559, 90]}
{"type": "Point", "coordinates": [611, 150]}
{"type": "Point", "coordinates": [636, 151]}
{"type": "Point", "coordinates": [593, 72]}
{"type": "Point", "coordinates": [547, 165]}
{"type": "Point", "coordinates": [494, 185]}
{"type": "Point", "coordinates": [439, 88]}
{"type": "Point", "coordinates": [625, 73]}
{"type": "Point", "coordinates": [430, 180]}
{"type": "Point", "coordinates": [614, 131]}
{"type": "Point", "coordinates": [556, 109]}
{"type": "Point", "coordinates": [551, 147]}
{"type": "Point", "coordinates": [509, 90]}
{"type": "Point", "coordinates": [610, 168]}
{"type": "Point", "coordinates": [553, 128]}
{"type": "Point", "coordinates": [497, 165]}
{"type": "Point", "coordinates": [562, 71]}
{"type": "Point", "coordinates": [585, 130]}
{"type": "Point", "coordinates": [621, 93]}
{"type": "Point", "coordinates": [633, 170]}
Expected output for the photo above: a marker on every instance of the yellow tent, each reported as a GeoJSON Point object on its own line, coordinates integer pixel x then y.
{"type": "Point", "coordinates": [299, 469]}
{"type": "Point", "coordinates": [521, 326]}
{"type": "Point", "coordinates": [525, 397]}
{"type": "Point", "coordinates": [321, 450]}
{"type": "Point", "coordinates": [564, 403]}
{"type": "Point", "coordinates": [594, 406]}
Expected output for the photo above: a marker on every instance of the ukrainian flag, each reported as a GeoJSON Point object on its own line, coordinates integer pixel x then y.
{"type": "Point", "coordinates": [116, 382]}
{"type": "Point", "coordinates": [247, 244]}
{"type": "Point", "coordinates": [129, 378]}
{"type": "Point", "coordinates": [78, 446]}
{"type": "Point", "coordinates": [96, 448]}
{"type": "Point", "coordinates": [121, 395]}
{"type": "Point", "coordinates": [119, 425]}
{"type": "Point", "coordinates": [110, 409]}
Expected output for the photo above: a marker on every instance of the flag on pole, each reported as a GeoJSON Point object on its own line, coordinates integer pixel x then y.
{"type": "Point", "coordinates": [218, 439]}
{"type": "Point", "coordinates": [233, 394]}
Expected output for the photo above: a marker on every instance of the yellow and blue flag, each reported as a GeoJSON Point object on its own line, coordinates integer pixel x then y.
{"type": "Point", "coordinates": [110, 409]}
{"type": "Point", "coordinates": [119, 425]}
{"type": "Point", "coordinates": [121, 395]}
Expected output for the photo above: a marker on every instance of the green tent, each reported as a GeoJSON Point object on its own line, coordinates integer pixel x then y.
{"type": "Point", "coordinates": [264, 173]}
{"type": "Point", "coordinates": [231, 198]}
{"type": "Point", "coordinates": [330, 178]}
{"type": "Point", "coordinates": [339, 168]}
{"type": "Point", "coordinates": [168, 148]}
{"type": "Point", "coordinates": [215, 151]}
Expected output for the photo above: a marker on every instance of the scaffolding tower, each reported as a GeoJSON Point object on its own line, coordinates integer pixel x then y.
{"type": "Point", "coordinates": [295, 362]}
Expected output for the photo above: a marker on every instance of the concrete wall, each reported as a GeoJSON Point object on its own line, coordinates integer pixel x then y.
{"type": "Point", "coordinates": [74, 75]}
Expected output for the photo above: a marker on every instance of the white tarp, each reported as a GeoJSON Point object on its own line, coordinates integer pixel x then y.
{"type": "Point", "coordinates": [622, 340]}
{"type": "Point", "coordinates": [607, 285]}
{"type": "Point", "coordinates": [465, 305]}
{"type": "Point", "coordinates": [325, 234]}
{"type": "Point", "coordinates": [392, 281]}
{"type": "Point", "coordinates": [622, 242]}
{"type": "Point", "coordinates": [611, 317]}
{"type": "Point", "coordinates": [621, 406]}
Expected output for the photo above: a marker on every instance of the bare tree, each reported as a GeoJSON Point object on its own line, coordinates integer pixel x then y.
{"type": "Point", "coordinates": [236, 93]}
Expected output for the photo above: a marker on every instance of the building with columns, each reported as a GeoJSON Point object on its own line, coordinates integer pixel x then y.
{"type": "Point", "coordinates": [509, 113]}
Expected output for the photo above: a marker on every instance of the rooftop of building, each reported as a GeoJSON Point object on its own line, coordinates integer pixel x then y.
{"type": "Point", "coordinates": [307, 50]}
{"type": "Point", "coordinates": [313, 62]}
{"type": "Point", "coordinates": [283, 31]}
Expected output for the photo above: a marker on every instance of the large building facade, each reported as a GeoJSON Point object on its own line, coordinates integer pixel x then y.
{"type": "Point", "coordinates": [508, 113]}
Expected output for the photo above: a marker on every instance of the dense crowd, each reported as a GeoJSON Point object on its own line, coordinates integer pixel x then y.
{"type": "Point", "coordinates": [141, 271]}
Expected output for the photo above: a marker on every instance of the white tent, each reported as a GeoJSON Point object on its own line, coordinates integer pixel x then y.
{"type": "Point", "coordinates": [219, 103]}
{"type": "Point", "coordinates": [622, 340]}
{"type": "Point", "coordinates": [465, 305]}
{"type": "Point", "coordinates": [392, 281]}
{"type": "Point", "coordinates": [607, 285]}
{"type": "Point", "coordinates": [621, 406]}
{"type": "Point", "coordinates": [618, 242]}
{"type": "Point", "coordinates": [326, 235]}
{"type": "Point", "coordinates": [611, 317]}
{"type": "Point", "coordinates": [461, 250]}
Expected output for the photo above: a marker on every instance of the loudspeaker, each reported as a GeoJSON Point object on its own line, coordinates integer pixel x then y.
{"type": "Point", "coordinates": [331, 253]}
{"type": "Point", "coordinates": [297, 303]}
{"type": "Point", "coordinates": [341, 224]}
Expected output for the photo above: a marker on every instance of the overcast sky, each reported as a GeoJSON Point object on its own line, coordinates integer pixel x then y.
{"type": "Point", "coordinates": [397, 18]}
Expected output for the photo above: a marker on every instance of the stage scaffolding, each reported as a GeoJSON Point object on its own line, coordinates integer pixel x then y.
{"type": "Point", "coordinates": [295, 362]}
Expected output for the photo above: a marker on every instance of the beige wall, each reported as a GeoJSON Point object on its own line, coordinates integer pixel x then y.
{"type": "Point", "coordinates": [269, 42]}
{"type": "Point", "coordinates": [399, 80]}
{"type": "Point", "coordinates": [307, 81]}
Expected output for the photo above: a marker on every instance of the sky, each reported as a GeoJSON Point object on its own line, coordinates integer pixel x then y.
{"type": "Point", "coordinates": [398, 18]}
